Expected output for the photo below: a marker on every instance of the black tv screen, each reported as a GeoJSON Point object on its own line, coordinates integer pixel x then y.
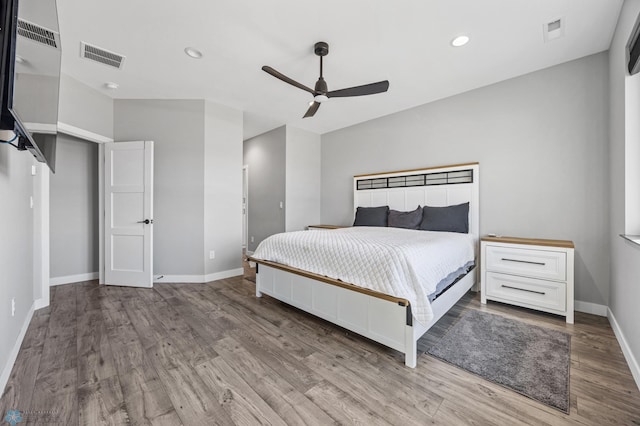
{"type": "Point", "coordinates": [32, 78]}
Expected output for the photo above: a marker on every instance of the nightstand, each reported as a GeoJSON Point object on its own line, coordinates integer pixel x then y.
{"type": "Point", "coordinates": [532, 273]}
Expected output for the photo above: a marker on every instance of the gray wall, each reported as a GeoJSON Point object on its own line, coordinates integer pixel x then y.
{"type": "Point", "coordinates": [177, 129]}
{"type": "Point", "coordinates": [16, 246]}
{"type": "Point", "coordinates": [625, 257]}
{"type": "Point", "coordinates": [197, 181]}
{"type": "Point", "coordinates": [266, 157]}
{"type": "Point", "coordinates": [541, 143]}
{"type": "Point", "coordinates": [302, 187]}
{"type": "Point", "coordinates": [85, 108]}
{"type": "Point", "coordinates": [74, 187]}
{"type": "Point", "coordinates": [74, 208]}
{"type": "Point", "coordinates": [222, 188]}
{"type": "Point", "coordinates": [38, 94]}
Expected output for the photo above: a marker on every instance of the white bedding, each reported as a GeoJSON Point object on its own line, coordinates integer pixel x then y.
{"type": "Point", "coordinates": [400, 262]}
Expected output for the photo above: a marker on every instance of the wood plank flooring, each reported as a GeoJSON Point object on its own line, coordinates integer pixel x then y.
{"type": "Point", "coordinates": [205, 354]}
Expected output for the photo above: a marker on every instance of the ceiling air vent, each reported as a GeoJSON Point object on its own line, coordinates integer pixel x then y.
{"type": "Point", "coordinates": [103, 56]}
{"type": "Point", "coordinates": [38, 34]}
{"type": "Point", "coordinates": [553, 29]}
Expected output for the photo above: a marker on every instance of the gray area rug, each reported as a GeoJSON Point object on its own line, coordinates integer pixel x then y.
{"type": "Point", "coordinates": [530, 360]}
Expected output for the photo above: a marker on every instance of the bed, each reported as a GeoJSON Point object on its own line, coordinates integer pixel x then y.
{"type": "Point", "coordinates": [381, 306]}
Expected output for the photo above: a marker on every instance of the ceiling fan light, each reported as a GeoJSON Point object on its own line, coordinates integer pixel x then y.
{"type": "Point", "coordinates": [320, 98]}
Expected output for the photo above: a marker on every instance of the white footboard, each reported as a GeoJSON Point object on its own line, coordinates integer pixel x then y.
{"type": "Point", "coordinates": [383, 321]}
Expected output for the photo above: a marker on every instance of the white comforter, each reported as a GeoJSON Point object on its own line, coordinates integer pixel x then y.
{"type": "Point", "coordinates": [400, 262]}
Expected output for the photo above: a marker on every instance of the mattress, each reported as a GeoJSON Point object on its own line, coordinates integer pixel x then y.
{"type": "Point", "coordinates": [403, 263]}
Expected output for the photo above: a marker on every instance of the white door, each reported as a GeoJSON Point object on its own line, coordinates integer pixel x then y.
{"type": "Point", "coordinates": [128, 181]}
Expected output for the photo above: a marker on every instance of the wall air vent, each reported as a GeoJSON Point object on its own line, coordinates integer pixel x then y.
{"type": "Point", "coordinates": [38, 34]}
{"type": "Point", "coordinates": [553, 29]}
{"type": "Point", "coordinates": [103, 56]}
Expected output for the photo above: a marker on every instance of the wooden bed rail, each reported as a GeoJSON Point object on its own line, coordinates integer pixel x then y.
{"type": "Point", "coordinates": [332, 281]}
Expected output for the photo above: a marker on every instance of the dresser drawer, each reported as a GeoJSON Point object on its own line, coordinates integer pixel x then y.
{"type": "Point", "coordinates": [551, 265]}
{"type": "Point", "coordinates": [529, 292]}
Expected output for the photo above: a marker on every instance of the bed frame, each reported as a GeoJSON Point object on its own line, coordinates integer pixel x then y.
{"type": "Point", "coordinates": [383, 318]}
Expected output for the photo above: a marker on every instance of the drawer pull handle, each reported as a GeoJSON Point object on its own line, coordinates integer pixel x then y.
{"type": "Point", "coordinates": [524, 289]}
{"type": "Point", "coordinates": [523, 261]}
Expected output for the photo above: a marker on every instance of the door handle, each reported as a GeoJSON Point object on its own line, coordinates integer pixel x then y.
{"type": "Point", "coordinates": [146, 221]}
{"type": "Point", "coordinates": [523, 261]}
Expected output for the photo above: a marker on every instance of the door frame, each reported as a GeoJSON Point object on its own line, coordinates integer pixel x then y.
{"type": "Point", "coordinates": [101, 217]}
{"type": "Point", "coordinates": [245, 195]}
{"type": "Point", "coordinates": [101, 214]}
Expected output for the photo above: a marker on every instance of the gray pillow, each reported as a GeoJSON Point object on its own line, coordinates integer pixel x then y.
{"type": "Point", "coordinates": [371, 216]}
{"type": "Point", "coordinates": [409, 220]}
{"type": "Point", "coordinates": [450, 219]}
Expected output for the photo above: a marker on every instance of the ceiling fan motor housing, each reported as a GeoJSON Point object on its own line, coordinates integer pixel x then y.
{"type": "Point", "coordinates": [321, 48]}
{"type": "Point", "coordinates": [321, 86]}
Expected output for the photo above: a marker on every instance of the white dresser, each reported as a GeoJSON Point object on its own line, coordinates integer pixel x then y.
{"type": "Point", "coordinates": [532, 273]}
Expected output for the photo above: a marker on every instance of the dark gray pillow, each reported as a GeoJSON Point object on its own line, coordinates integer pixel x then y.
{"type": "Point", "coordinates": [409, 220]}
{"type": "Point", "coordinates": [449, 219]}
{"type": "Point", "coordinates": [371, 216]}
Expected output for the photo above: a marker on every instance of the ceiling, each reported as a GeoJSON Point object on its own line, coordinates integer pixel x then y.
{"type": "Point", "coordinates": [406, 42]}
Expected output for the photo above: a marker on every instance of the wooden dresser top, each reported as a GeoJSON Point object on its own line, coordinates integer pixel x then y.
{"type": "Point", "coordinates": [529, 241]}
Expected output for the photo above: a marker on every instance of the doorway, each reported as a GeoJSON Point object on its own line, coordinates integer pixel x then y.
{"type": "Point", "coordinates": [245, 207]}
{"type": "Point", "coordinates": [128, 214]}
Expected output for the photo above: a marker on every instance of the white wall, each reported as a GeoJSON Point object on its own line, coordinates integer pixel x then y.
{"type": "Point", "coordinates": [624, 140]}
{"type": "Point", "coordinates": [16, 252]}
{"type": "Point", "coordinates": [541, 143]}
{"type": "Point", "coordinates": [302, 182]}
{"type": "Point", "coordinates": [74, 210]}
{"type": "Point", "coordinates": [222, 188]}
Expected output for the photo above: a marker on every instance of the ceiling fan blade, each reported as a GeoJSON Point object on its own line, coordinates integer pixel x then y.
{"type": "Point", "coordinates": [286, 79]}
{"type": "Point", "coordinates": [312, 110]}
{"type": "Point", "coordinates": [367, 89]}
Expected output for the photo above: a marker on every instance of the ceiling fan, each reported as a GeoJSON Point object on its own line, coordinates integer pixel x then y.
{"type": "Point", "coordinates": [321, 93]}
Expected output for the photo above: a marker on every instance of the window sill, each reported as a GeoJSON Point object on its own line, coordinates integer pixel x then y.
{"type": "Point", "coordinates": [635, 239]}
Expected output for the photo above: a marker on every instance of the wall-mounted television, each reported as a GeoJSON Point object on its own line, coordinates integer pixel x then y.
{"type": "Point", "coordinates": [30, 61]}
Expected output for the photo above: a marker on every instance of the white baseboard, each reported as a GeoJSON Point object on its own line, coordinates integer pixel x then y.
{"type": "Point", "coordinates": [224, 274]}
{"type": "Point", "coordinates": [6, 369]}
{"type": "Point", "coordinates": [591, 308]}
{"type": "Point", "coordinates": [198, 278]}
{"type": "Point", "coordinates": [73, 278]}
{"type": "Point", "coordinates": [626, 350]}
{"type": "Point", "coordinates": [41, 303]}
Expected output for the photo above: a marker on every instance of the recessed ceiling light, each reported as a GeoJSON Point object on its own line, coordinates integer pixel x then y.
{"type": "Point", "coordinates": [193, 52]}
{"type": "Point", "coordinates": [460, 41]}
{"type": "Point", "coordinates": [111, 85]}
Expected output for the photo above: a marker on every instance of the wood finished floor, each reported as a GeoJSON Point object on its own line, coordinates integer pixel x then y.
{"type": "Point", "coordinates": [204, 354]}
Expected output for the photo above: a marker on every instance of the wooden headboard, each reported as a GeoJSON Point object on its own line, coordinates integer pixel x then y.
{"type": "Point", "coordinates": [435, 186]}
